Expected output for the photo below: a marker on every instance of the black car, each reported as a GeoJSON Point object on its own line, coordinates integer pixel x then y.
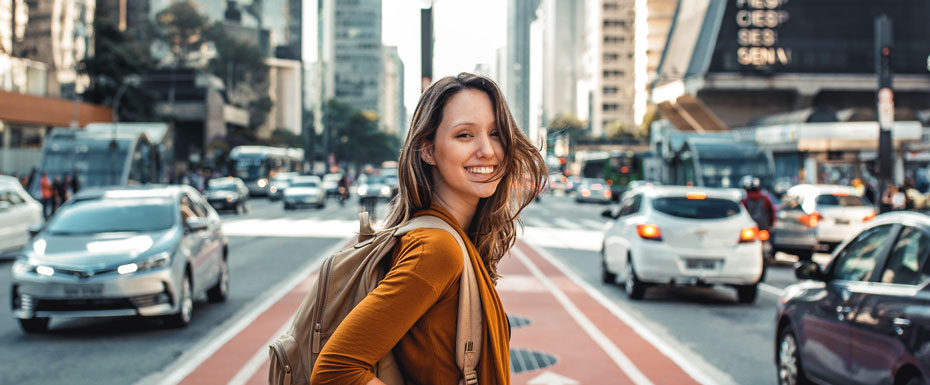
{"type": "Point", "coordinates": [865, 317]}
{"type": "Point", "coordinates": [228, 194]}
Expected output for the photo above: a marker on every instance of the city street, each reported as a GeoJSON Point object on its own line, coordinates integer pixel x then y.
{"type": "Point", "coordinates": [704, 328]}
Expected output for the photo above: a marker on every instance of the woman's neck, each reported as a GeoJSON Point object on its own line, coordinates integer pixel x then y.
{"type": "Point", "coordinates": [461, 211]}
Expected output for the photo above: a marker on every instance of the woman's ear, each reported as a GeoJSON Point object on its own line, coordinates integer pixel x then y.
{"type": "Point", "coordinates": [426, 153]}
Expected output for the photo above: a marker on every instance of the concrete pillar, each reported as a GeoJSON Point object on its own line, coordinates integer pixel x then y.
{"type": "Point", "coordinates": [898, 169]}
{"type": "Point", "coordinates": [810, 168]}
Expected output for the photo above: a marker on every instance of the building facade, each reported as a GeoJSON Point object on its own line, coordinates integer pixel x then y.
{"type": "Point", "coordinates": [520, 14]}
{"type": "Point", "coordinates": [610, 55]}
{"type": "Point", "coordinates": [350, 43]}
{"type": "Point", "coordinates": [393, 116]}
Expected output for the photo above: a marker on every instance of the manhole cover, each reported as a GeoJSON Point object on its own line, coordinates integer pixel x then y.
{"type": "Point", "coordinates": [525, 360]}
{"type": "Point", "coordinates": [517, 321]}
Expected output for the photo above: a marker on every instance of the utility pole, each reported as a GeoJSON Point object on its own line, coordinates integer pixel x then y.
{"type": "Point", "coordinates": [426, 47]}
{"type": "Point", "coordinates": [884, 46]}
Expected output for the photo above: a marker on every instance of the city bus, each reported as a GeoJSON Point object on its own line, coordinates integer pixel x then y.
{"type": "Point", "coordinates": [256, 165]}
{"type": "Point", "coordinates": [105, 154]}
{"type": "Point", "coordinates": [718, 162]}
{"type": "Point", "coordinates": [619, 168]}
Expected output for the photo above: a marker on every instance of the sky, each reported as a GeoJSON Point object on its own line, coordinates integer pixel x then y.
{"type": "Point", "coordinates": [466, 33]}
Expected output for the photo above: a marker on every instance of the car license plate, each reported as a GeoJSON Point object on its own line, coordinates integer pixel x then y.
{"type": "Point", "coordinates": [842, 221]}
{"type": "Point", "coordinates": [703, 264]}
{"type": "Point", "coordinates": [82, 291]}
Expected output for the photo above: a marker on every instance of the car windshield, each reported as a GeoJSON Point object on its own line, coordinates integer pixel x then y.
{"type": "Point", "coordinates": [374, 179]}
{"type": "Point", "coordinates": [304, 183]}
{"type": "Point", "coordinates": [226, 186]}
{"type": "Point", "coordinates": [710, 208]}
{"type": "Point", "coordinates": [840, 200]}
{"type": "Point", "coordinates": [114, 215]}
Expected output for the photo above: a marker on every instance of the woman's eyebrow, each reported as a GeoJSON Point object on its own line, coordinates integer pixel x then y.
{"type": "Point", "coordinates": [470, 123]}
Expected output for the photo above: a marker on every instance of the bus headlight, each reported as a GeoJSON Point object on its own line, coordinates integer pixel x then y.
{"type": "Point", "coordinates": [262, 182]}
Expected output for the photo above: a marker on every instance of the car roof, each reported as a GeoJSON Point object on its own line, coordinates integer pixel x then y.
{"type": "Point", "coordinates": [654, 191]}
{"type": "Point", "coordinates": [909, 217]}
{"type": "Point", "coordinates": [809, 189]}
{"type": "Point", "coordinates": [126, 192]}
{"type": "Point", "coordinates": [6, 180]}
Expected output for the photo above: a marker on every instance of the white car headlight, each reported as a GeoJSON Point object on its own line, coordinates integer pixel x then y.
{"type": "Point", "coordinates": [21, 267]}
{"type": "Point", "coordinates": [157, 260]}
{"type": "Point", "coordinates": [385, 190]}
{"type": "Point", "coordinates": [362, 190]}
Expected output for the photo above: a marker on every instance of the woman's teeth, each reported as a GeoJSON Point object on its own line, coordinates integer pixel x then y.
{"type": "Point", "coordinates": [480, 170]}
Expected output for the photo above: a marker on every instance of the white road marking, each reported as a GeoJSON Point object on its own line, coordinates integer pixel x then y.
{"type": "Point", "coordinates": [534, 222]}
{"type": "Point", "coordinates": [594, 225]}
{"type": "Point", "coordinates": [640, 329]}
{"type": "Point", "coordinates": [771, 289]}
{"type": "Point", "coordinates": [302, 228]}
{"type": "Point", "coordinates": [567, 224]}
{"type": "Point", "coordinates": [614, 352]}
{"type": "Point", "coordinates": [191, 359]}
{"type": "Point", "coordinates": [587, 240]}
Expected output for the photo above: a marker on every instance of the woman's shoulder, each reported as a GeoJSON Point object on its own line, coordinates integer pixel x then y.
{"type": "Point", "coordinates": [436, 248]}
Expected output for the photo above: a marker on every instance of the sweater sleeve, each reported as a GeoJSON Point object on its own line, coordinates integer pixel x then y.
{"type": "Point", "coordinates": [427, 263]}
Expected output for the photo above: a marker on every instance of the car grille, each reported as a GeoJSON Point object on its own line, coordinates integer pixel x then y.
{"type": "Point", "coordinates": [83, 304]}
{"type": "Point", "coordinates": [84, 273]}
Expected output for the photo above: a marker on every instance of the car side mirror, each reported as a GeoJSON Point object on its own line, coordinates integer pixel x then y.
{"type": "Point", "coordinates": [808, 270]}
{"type": "Point", "coordinates": [195, 224]}
{"type": "Point", "coordinates": [35, 229]}
{"type": "Point", "coordinates": [608, 214]}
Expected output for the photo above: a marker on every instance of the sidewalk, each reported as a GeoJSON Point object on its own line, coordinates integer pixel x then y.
{"type": "Point", "coordinates": [564, 332]}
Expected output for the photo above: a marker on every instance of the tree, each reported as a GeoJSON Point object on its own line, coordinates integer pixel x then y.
{"type": "Point", "coordinates": [286, 138]}
{"type": "Point", "coordinates": [241, 64]}
{"type": "Point", "coordinates": [567, 124]}
{"type": "Point", "coordinates": [618, 129]}
{"type": "Point", "coordinates": [355, 138]}
{"type": "Point", "coordinates": [116, 56]}
{"type": "Point", "coordinates": [182, 28]}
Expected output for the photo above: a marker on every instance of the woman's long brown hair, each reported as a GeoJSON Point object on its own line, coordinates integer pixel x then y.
{"type": "Point", "coordinates": [522, 173]}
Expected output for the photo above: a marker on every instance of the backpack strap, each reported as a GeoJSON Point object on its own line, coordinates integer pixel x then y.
{"type": "Point", "coordinates": [470, 319]}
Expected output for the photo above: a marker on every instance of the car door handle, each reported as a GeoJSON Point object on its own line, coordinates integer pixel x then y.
{"type": "Point", "coordinates": [900, 324]}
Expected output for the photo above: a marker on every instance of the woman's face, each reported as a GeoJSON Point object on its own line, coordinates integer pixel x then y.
{"type": "Point", "coordinates": [467, 149]}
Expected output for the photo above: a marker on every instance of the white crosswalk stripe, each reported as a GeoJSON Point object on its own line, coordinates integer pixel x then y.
{"type": "Point", "coordinates": [593, 224]}
{"type": "Point", "coordinates": [567, 224]}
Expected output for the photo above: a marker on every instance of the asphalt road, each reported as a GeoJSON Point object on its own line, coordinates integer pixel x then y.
{"type": "Point", "coordinates": [730, 342]}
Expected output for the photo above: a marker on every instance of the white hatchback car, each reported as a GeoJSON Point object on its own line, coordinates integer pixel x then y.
{"type": "Point", "coordinates": [18, 213]}
{"type": "Point", "coordinates": [682, 235]}
{"type": "Point", "coordinates": [818, 218]}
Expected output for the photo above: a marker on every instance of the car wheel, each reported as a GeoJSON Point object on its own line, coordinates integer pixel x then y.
{"type": "Point", "coordinates": [915, 381]}
{"type": "Point", "coordinates": [805, 255]}
{"type": "Point", "coordinates": [185, 306]}
{"type": "Point", "coordinates": [606, 275]}
{"type": "Point", "coordinates": [287, 207]}
{"type": "Point", "coordinates": [747, 293]}
{"type": "Point", "coordinates": [34, 325]}
{"type": "Point", "coordinates": [789, 360]}
{"type": "Point", "coordinates": [245, 206]}
{"type": "Point", "coordinates": [220, 291]}
{"type": "Point", "coordinates": [635, 289]}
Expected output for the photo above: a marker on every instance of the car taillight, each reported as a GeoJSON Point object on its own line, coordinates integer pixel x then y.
{"type": "Point", "coordinates": [748, 234]}
{"type": "Point", "coordinates": [763, 235]}
{"type": "Point", "coordinates": [811, 220]}
{"type": "Point", "coordinates": [607, 193]}
{"type": "Point", "coordinates": [869, 217]}
{"type": "Point", "coordinates": [650, 232]}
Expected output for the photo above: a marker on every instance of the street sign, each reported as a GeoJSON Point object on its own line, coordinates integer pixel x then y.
{"type": "Point", "coordinates": [886, 108]}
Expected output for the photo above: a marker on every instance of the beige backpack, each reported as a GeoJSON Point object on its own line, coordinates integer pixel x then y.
{"type": "Point", "coordinates": [344, 280]}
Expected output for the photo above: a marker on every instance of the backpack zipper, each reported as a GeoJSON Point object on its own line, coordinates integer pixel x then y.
{"type": "Point", "coordinates": [282, 355]}
{"type": "Point", "coordinates": [321, 297]}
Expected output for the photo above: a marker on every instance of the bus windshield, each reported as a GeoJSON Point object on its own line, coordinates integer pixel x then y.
{"type": "Point", "coordinates": [251, 168]}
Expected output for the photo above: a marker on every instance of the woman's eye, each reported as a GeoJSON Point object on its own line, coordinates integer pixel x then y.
{"type": "Point", "coordinates": [463, 135]}
{"type": "Point", "coordinates": [495, 133]}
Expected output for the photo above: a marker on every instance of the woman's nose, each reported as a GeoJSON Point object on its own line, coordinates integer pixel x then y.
{"type": "Point", "coordinates": [484, 147]}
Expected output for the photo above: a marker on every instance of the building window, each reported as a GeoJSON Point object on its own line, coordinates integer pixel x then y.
{"type": "Point", "coordinates": [611, 6]}
{"type": "Point", "coordinates": [611, 90]}
{"type": "Point", "coordinates": [613, 74]}
{"type": "Point", "coordinates": [611, 107]}
{"type": "Point", "coordinates": [609, 57]}
{"type": "Point", "coordinates": [614, 23]}
{"type": "Point", "coordinates": [614, 39]}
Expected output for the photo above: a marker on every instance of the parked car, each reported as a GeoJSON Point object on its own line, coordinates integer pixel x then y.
{"type": "Point", "coordinates": [391, 179]}
{"type": "Point", "coordinates": [279, 183]}
{"type": "Point", "coordinates": [18, 213]}
{"type": "Point", "coordinates": [571, 184]}
{"type": "Point", "coordinates": [371, 185]}
{"type": "Point", "coordinates": [593, 190]}
{"type": "Point", "coordinates": [813, 218]}
{"type": "Point", "coordinates": [865, 317]}
{"type": "Point", "coordinates": [683, 236]}
{"type": "Point", "coordinates": [305, 190]}
{"type": "Point", "coordinates": [228, 194]}
{"type": "Point", "coordinates": [331, 184]}
{"type": "Point", "coordinates": [146, 251]}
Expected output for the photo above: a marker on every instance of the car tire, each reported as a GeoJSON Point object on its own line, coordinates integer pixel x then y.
{"type": "Point", "coordinates": [185, 306]}
{"type": "Point", "coordinates": [747, 293]}
{"type": "Point", "coordinates": [805, 255]}
{"type": "Point", "coordinates": [245, 207]}
{"type": "Point", "coordinates": [220, 291]}
{"type": "Point", "coordinates": [916, 380]}
{"type": "Point", "coordinates": [288, 207]}
{"type": "Point", "coordinates": [34, 325]}
{"type": "Point", "coordinates": [635, 289]}
{"type": "Point", "coordinates": [606, 275]}
{"type": "Point", "coordinates": [788, 361]}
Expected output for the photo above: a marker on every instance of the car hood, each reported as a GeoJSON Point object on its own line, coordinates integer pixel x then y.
{"type": "Point", "coordinates": [97, 250]}
{"type": "Point", "coordinates": [301, 191]}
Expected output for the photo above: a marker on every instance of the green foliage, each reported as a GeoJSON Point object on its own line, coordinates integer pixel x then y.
{"type": "Point", "coordinates": [284, 138]}
{"type": "Point", "coordinates": [355, 138]}
{"type": "Point", "coordinates": [567, 124]}
{"type": "Point", "coordinates": [116, 57]}
{"type": "Point", "coordinates": [182, 28]}
{"type": "Point", "coordinates": [617, 129]}
{"type": "Point", "coordinates": [236, 61]}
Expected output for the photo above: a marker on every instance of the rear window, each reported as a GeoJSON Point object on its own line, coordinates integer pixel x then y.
{"type": "Point", "coordinates": [840, 200]}
{"type": "Point", "coordinates": [710, 208]}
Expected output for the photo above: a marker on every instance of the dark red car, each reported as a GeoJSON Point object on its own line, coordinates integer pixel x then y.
{"type": "Point", "coordinates": [865, 317]}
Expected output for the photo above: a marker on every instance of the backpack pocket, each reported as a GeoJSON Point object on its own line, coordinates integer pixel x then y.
{"type": "Point", "coordinates": [286, 367]}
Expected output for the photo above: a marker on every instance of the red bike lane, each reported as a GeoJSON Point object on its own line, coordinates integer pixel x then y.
{"type": "Point", "coordinates": [563, 334]}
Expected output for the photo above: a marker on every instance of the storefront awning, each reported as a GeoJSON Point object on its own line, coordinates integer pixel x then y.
{"type": "Point", "coordinates": [688, 114]}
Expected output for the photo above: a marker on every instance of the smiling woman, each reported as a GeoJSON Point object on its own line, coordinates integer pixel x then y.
{"type": "Point", "coordinates": [462, 155]}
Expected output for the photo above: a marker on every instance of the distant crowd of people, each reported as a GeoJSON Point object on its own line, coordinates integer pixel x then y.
{"type": "Point", "coordinates": [896, 197]}
{"type": "Point", "coordinates": [54, 191]}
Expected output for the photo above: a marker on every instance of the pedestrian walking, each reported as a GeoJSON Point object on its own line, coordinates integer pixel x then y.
{"type": "Point", "coordinates": [465, 161]}
{"type": "Point", "coordinates": [58, 193]}
{"type": "Point", "coordinates": [47, 195]}
{"type": "Point", "coordinates": [75, 182]}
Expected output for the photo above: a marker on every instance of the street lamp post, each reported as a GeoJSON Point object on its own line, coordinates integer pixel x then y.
{"type": "Point", "coordinates": [131, 80]}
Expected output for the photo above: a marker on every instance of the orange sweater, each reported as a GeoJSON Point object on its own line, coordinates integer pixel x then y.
{"type": "Point", "coordinates": [414, 310]}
